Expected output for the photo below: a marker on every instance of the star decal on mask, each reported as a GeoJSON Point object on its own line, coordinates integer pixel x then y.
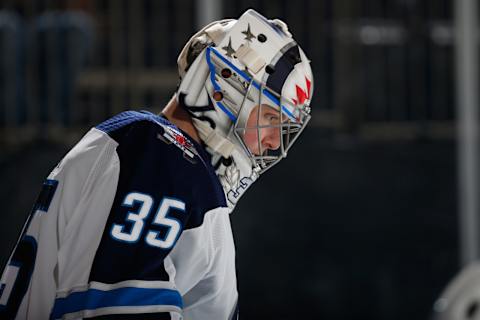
{"type": "Point", "coordinates": [229, 49]}
{"type": "Point", "coordinates": [248, 34]}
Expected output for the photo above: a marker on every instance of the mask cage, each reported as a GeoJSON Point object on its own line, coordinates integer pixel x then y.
{"type": "Point", "coordinates": [273, 124]}
{"type": "Point", "coordinates": [290, 120]}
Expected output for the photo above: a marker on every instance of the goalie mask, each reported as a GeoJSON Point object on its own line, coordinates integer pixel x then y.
{"type": "Point", "coordinates": [248, 86]}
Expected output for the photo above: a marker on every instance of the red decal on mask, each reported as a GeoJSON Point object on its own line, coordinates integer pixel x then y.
{"type": "Point", "coordinates": [301, 94]}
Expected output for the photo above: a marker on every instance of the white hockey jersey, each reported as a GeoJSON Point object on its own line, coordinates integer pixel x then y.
{"type": "Point", "coordinates": [132, 224]}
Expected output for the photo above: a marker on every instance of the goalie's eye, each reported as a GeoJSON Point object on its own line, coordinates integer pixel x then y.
{"type": "Point", "coordinates": [272, 118]}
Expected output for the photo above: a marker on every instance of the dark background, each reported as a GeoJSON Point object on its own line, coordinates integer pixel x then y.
{"type": "Point", "coordinates": [359, 222]}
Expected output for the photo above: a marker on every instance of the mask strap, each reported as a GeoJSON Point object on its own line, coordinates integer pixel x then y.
{"type": "Point", "coordinates": [213, 139]}
{"type": "Point", "coordinates": [250, 58]}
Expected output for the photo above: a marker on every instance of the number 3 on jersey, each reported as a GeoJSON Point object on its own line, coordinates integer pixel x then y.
{"type": "Point", "coordinates": [138, 219]}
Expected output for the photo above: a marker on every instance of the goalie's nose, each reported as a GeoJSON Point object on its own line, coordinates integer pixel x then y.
{"type": "Point", "coordinates": [270, 138]}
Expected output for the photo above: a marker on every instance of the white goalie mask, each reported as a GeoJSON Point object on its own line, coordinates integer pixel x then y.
{"type": "Point", "coordinates": [248, 86]}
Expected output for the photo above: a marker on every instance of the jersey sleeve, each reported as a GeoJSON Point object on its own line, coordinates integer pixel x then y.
{"type": "Point", "coordinates": [29, 280]}
{"type": "Point", "coordinates": [215, 295]}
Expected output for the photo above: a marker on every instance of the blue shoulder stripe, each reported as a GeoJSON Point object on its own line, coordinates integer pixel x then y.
{"type": "Point", "coordinates": [125, 118]}
{"type": "Point", "coordinates": [122, 297]}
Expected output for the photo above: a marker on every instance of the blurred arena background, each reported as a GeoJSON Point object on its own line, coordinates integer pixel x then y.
{"type": "Point", "coordinates": [362, 221]}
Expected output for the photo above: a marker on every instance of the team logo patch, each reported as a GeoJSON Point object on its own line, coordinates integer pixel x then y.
{"type": "Point", "coordinates": [171, 135]}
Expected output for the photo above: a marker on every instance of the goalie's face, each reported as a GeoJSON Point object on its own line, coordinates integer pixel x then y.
{"type": "Point", "coordinates": [263, 131]}
{"type": "Point", "coordinates": [268, 126]}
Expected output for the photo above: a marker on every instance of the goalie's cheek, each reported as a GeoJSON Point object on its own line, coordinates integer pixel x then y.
{"type": "Point", "coordinates": [251, 141]}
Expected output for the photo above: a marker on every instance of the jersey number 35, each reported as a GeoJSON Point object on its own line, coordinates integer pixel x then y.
{"type": "Point", "coordinates": [123, 233]}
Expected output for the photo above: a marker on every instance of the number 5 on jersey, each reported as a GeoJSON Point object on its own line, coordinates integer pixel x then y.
{"type": "Point", "coordinates": [138, 219]}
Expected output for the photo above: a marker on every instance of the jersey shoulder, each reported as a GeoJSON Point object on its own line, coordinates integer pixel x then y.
{"type": "Point", "coordinates": [129, 125]}
{"type": "Point", "coordinates": [158, 157]}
